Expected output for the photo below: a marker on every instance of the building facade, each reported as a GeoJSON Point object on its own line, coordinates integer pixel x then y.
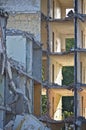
{"type": "Point", "coordinates": [51, 22]}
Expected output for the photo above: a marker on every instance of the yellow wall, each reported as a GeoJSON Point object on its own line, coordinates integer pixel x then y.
{"type": "Point", "coordinates": [37, 99]}
{"type": "Point", "coordinates": [84, 6]}
{"type": "Point", "coordinates": [84, 105]}
{"type": "Point", "coordinates": [55, 105]}
{"type": "Point", "coordinates": [44, 7]}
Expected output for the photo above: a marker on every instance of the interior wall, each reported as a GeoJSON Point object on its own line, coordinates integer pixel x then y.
{"type": "Point", "coordinates": [55, 105]}
{"type": "Point", "coordinates": [55, 40]}
{"type": "Point", "coordinates": [57, 72]}
{"type": "Point", "coordinates": [37, 99]}
{"type": "Point", "coordinates": [56, 12]}
{"type": "Point", "coordinates": [44, 7]}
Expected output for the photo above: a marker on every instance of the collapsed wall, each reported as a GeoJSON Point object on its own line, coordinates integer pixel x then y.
{"type": "Point", "coordinates": [17, 78]}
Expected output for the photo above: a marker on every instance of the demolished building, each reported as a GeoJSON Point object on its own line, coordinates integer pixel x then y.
{"type": "Point", "coordinates": [23, 57]}
{"type": "Point", "coordinates": [20, 79]}
{"type": "Point", "coordinates": [64, 20]}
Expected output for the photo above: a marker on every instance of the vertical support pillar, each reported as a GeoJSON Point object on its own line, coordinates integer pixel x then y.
{"type": "Point", "coordinates": [48, 46]}
{"type": "Point", "coordinates": [3, 22]}
{"type": "Point", "coordinates": [2, 113]}
{"type": "Point", "coordinates": [77, 99]}
{"type": "Point", "coordinates": [75, 65]}
{"type": "Point", "coordinates": [48, 50]}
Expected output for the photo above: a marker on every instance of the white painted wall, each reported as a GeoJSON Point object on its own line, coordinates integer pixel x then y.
{"type": "Point", "coordinates": [57, 72]}
{"type": "Point", "coordinates": [57, 9]}
{"type": "Point", "coordinates": [58, 112]}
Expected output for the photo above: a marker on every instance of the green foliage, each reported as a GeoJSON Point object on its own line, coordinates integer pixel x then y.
{"type": "Point", "coordinates": [66, 114]}
{"type": "Point", "coordinates": [67, 71]}
{"type": "Point", "coordinates": [67, 105]}
{"type": "Point", "coordinates": [44, 104]}
{"type": "Point", "coordinates": [69, 44]}
{"type": "Point", "coordinates": [68, 78]}
{"type": "Point", "coordinates": [68, 75]}
{"type": "Point", "coordinates": [43, 73]}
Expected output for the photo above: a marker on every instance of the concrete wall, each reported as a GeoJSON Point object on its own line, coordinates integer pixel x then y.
{"type": "Point", "coordinates": [2, 100]}
{"type": "Point", "coordinates": [44, 35]}
{"type": "Point", "coordinates": [26, 22]}
{"type": "Point", "coordinates": [37, 64]}
{"type": "Point", "coordinates": [13, 49]}
{"type": "Point", "coordinates": [20, 5]}
{"type": "Point", "coordinates": [24, 16]}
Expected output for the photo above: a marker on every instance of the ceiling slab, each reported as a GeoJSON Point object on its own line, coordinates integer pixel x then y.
{"type": "Point", "coordinates": [65, 27]}
{"type": "Point", "coordinates": [66, 3]}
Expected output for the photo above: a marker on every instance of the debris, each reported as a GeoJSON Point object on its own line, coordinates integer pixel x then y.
{"type": "Point", "coordinates": [28, 122]}
{"type": "Point", "coordinates": [9, 126]}
{"type": "Point", "coordinates": [0, 129]}
{"type": "Point", "coordinates": [2, 54]}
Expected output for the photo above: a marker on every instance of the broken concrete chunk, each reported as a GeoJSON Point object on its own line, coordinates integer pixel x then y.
{"type": "Point", "coordinates": [2, 61]}
{"type": "Point", "coordinates": [9, 126]}
{"type": "Point", "coordinates": [9, 70]}
{"type": "Point", "coordinates": [28, 122]}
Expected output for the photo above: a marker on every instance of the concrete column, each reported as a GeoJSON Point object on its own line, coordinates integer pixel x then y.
{"type": "Point", "coordinates": [78, 69]}
{"type": "Point", "coordinates": [3, 21]}
{"type": "Point", "coordinates": [2, 113]}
